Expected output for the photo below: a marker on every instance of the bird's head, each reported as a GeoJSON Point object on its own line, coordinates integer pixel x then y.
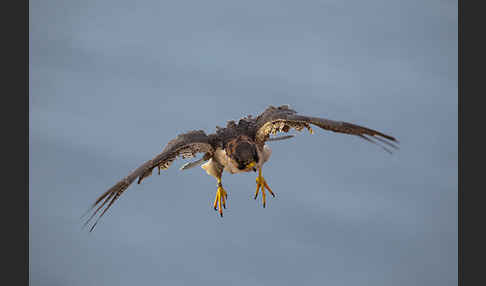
{"type": "Point", "coordinates": [244, 154]}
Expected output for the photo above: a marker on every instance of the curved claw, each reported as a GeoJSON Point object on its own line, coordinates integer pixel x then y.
{"type": "Point", "coordinates": [262, 184]}
{"type": "Point", "coordinates": [220, 200]}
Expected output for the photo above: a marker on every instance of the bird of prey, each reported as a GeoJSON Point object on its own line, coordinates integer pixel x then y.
{"type": "Point", "coordinates": [236, 148]}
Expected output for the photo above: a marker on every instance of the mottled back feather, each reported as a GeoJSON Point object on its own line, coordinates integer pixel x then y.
{"type": "Point", "coordinates": [282, 119]}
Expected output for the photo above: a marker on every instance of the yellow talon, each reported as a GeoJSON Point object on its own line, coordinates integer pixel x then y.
{"type": "Point", "coordinates": [261, 183]}
{"type": "Point", "coordinates": [220, 200]}
{"type": "Point", "coordinates": [257, 189]}
{"type": "Point", "coordinates": [215, 205]}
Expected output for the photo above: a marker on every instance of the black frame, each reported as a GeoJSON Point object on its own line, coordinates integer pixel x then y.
{"type": "Point", "coordinates": [16, 136]}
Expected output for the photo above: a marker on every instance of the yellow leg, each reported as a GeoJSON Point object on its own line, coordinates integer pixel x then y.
{"type": "Point", "coordinates": [261, 183]}
{"type": "Point", "coordinates": [220, 200]}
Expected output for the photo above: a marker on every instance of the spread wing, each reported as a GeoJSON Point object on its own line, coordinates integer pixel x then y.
{"type": "Point", "coordinates": [282, 119]}
{"type": "Point", "coordinates": [185, 146]}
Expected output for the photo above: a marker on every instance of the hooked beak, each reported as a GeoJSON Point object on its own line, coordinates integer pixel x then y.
{"type": "Point", "coordinates": [252, 166]}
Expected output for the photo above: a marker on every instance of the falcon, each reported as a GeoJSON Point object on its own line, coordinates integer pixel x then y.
{"type": "Point", "coordinates": [236, 148]}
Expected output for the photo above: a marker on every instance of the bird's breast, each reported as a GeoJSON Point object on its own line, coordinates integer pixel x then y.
{"type": "Point", "coordinates": [224, 160]}
{"type": "Point", "coordinates": [264, 154]}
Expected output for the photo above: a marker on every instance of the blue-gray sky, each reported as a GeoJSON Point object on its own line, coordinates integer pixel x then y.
{"type": "Point", "coordinates": [111, 82]}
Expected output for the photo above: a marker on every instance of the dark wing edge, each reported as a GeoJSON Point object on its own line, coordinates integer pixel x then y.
{"type": "Point", "coordinates": [282, 119]}
{"type": "Point", "coordinates": [184, 145]}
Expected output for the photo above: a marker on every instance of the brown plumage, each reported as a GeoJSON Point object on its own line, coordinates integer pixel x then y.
{"type": "Point", "coordinates": [235, 145]}
{"type": "Point", "coordinates": [242, 150]}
